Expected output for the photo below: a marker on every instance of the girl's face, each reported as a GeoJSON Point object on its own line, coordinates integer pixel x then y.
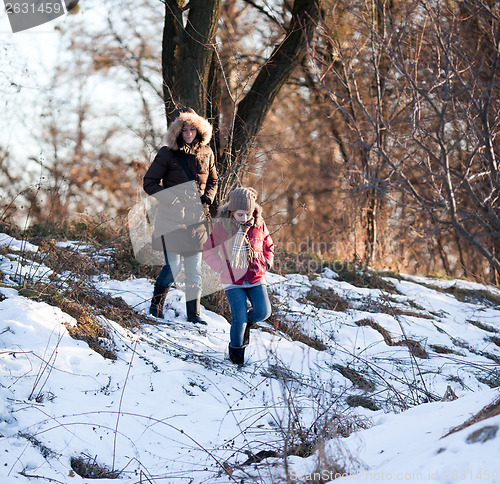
{"type": "Point", "coordinates": [242, 216]}
{"type": "Point", "coordinates": [189, 134]}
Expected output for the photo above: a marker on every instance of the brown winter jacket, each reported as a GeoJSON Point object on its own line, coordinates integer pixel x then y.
{"type": "Point", "coordinates": [166, 172]}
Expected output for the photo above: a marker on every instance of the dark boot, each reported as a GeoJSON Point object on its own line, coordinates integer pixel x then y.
{"type": "Point", "coordinates": [158, 300]}
{"type": "Point", "coordinates": [193, 311]}
{"type": "Point", "coordinates": [246, 334]}
{"type": "Point", "coordinates": [237, 354]}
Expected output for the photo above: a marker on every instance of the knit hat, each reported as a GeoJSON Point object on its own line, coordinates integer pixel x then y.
{"type": "Point", "coordinates": [242, 199]}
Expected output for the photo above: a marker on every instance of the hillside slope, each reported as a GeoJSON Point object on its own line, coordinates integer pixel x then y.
{"type": "Point", "coordinates": [347, 379]}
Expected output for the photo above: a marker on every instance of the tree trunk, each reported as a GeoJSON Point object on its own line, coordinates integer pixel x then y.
{"type": "Point", "coordinates": [191, 71]}
{"type": "Point", "coordinates": [253, 108]}
{"type": "Point", "coordinates": [187, 53]}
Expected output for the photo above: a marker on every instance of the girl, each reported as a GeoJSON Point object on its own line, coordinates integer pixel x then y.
{"type": "Point", "coordinates": [241, 250]}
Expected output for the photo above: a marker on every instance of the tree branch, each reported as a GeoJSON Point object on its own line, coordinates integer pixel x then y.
{"type": "Point", "coordinates": [253, 108]}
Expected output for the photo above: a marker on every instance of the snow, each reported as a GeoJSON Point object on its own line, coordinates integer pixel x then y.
{"type": "Point", "coordinates": [413, 446]}
{"type": "Point", "coordinates": [172, 408]}
{"type": "Point", "coordinates": [12, 243]}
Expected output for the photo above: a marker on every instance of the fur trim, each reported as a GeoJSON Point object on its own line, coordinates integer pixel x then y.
{"type": "Point", "coordinates": [225, 214]}
{"type": "Point", "coordinates": [203, 127]}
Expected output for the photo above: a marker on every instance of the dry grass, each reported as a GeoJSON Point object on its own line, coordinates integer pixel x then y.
{"type": "Point", "coordinates": [355, 377]}
{"type": "Point", "coordinates": [42, 448]}
{"type": "Point", "coordinates": [353, 272]}
{"type": "Point", "coordinates": [297, 263]}
{"type": "Point", "coordinates": [333, 426]}
{"type": "Point", "coordinates": [491, 410]}
{"type": "Point", "coordinates": [414, 346]}
{"type": "Point", "coordinates": [443, 350]}
{"type": "Point", "coordinates": [325, 299]}
{"type": "Point", "coordinates": [327, 466]}
{"type": "Point", "coordinates": [365, 279]}
{"type": "Point", "coordinates": [90, 308]}
{"type": "Point", "coordinates": [60, 259]}
{"type": "Point", "coordinates": [217, 302]}
{"type": "Point", "coordinates": [495, 340]}
{"type": "Point", "coordinates": [296, 334]}
{"type": "Point", "coordinates": [473, 296]}
{"type": "Point", "coordinates": [492, 379]}
{"type": "Point", "coordinates": [483, 326]}
{"type": "Point", "coordinates": [88, 327]}
{"type": "Point", "coordinates": [81, 227]}
{"type": "Point", "coordinates": [377, 306]}
{"type": "Point", "coordinates": [464, 344]}
{"type": "Point", "coordinates": [9, 227]}
{"type": "Point", "coordinates": [362, 401]}
{"type": "Point", "coordinates": [88, 468]}
{"type": "Point", "coordinates": [122, 264]}
{"type": "Point", "coordinates": [292, 330]}
{"type": "Point", "coordinates": [114, 239]}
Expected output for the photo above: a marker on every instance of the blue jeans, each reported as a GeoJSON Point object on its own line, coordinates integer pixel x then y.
{"type": "Point", "coordinates": [192, 269]}
{"type": "Point", "coordinates": [240, 315]}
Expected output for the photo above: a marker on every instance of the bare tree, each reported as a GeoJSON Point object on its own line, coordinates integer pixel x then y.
{"type": "Point", "coordinates": [350, 72]}
{"type": "Point", "coordinates": [204, 65]}
{"type": "Point", "coordinates": [415, 90]}
{"type": "Point", "coordinates": [100, 118]}
{"type": "Point", "coordinates": [455, 125]}
{"type": "Point", "coordinates": [81, 169]}
{"type": "Point", "coordinates": [191, 63]}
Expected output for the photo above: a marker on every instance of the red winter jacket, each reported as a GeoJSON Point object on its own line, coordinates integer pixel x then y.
{"type": "Point", "coordinates": [218, 248]}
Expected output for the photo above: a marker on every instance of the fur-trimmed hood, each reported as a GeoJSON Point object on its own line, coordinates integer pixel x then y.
{"type": "Point", "coordinates": [203, 127]}
{"type": "Point", "coordinates": [225, 215]}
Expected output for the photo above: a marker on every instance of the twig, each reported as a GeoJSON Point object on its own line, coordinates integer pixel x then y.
{"type": "Point", "coordinates": [120, 405]}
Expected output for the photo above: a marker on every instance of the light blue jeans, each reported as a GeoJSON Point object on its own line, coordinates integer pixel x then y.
{"type": "Point", "coordinates": [192, 269]}
{"type": "Point", "coordinates": [240, 315]}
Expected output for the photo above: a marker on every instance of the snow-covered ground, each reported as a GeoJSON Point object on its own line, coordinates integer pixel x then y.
{"type": "Point", "coordinates": [365, 404]}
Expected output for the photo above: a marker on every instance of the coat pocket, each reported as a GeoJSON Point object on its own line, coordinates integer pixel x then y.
{"type": "Point", "coordinates": [258, 264]}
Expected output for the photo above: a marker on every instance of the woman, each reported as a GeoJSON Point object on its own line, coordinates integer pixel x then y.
{"type": "Point", "coordinates": [185, 160]}
{"type": "Point", "coordinates": [241, 250]}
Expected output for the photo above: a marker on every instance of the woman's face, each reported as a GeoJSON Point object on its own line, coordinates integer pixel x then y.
{"type": "Point", "coordinates": [189, 134]}
{"type": "Point", "coordinates": [242, 216]}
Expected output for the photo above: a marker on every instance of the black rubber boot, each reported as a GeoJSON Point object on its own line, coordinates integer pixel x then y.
{"type": "Point", "coordinates": [237, 354]}
{"type": "Point", "coordinates": [158, 300]}
{"type": "Point", "coordinates": [193, 311]}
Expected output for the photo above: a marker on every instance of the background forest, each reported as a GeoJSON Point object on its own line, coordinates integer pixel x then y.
{"type": "Point", "coordinates": [370, 128]}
